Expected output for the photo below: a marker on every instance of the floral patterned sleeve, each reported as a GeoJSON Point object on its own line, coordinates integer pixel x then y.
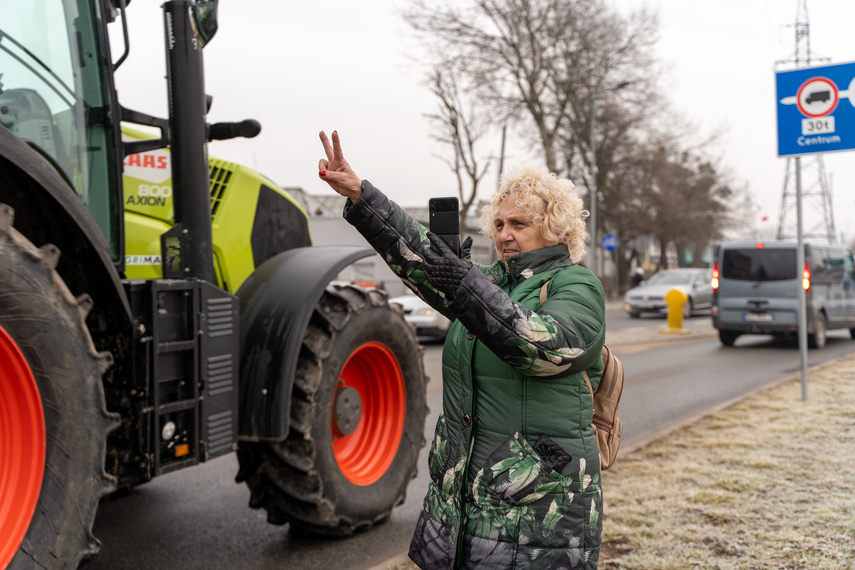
{"type": "Point", "coordinates": [564, 336]}
{"type": "Point", "coordinates": [397, 237]}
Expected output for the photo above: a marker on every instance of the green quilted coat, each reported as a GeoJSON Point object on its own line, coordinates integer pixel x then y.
{"type": "Point", "coordinates": [514, 464]}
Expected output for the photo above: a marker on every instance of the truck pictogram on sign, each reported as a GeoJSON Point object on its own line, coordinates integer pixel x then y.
{"type": "Point", "coordinates": [822, 96]}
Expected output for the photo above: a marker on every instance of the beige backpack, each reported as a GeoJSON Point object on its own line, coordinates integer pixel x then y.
{"type": "Point", "coordinates": [607, 425]}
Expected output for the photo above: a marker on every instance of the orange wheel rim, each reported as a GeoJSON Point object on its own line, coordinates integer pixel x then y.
{"type": "Point", "coordinates": [366, 454]}
{"type": "Point", "coordinates": [22, 447]}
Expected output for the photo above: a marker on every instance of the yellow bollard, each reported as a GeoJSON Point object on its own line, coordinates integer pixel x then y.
{"type": "Point", "coordinates": [675, 299]}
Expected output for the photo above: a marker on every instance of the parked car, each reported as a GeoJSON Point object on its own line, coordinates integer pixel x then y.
{"type": "Point", "coordinates": [649, 297]}
{"type": "Point", "coordinates": [428, 322]}
{"type": "Point", "coordinates": [757, 290]}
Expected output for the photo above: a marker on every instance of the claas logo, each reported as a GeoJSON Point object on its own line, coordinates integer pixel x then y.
{"type": "Point", "coordinates": [147, 161]}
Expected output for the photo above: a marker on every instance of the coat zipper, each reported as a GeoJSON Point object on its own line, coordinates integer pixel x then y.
{"type": "Point", "coordinates": [465, 486]}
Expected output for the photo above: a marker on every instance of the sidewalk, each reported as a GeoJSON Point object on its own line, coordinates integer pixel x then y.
{"type": "Point", "coordinates": [695, 329]}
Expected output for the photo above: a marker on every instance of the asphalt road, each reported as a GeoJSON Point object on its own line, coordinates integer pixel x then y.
{"type": "Point", "coordinates": [666, 386]}
{"type": "Point", "coordinates": [199, 517]}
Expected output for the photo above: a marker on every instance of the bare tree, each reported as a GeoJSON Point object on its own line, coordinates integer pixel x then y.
{"type": "Point", "coordinates": [658, 192]}
{"type": "Point", "coordinates": [536, 59]}
{"type": "Point", "coordinates": [460, 127]}
{"type": "Point", "coordinates": [551, 68]}
{"type": "Point", "coordinates": [690, 202]}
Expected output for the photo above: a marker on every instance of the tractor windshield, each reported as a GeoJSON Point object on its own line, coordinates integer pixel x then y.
{"type": "Point", "coordinates": [53, 94]}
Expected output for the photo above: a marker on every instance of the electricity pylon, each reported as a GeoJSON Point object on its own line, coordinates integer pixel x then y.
{"type": "Point", "coordinates": [816, 193]}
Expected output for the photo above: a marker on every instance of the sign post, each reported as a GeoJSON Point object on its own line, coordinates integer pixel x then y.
{"type": "Point", "coordinates": [610, 242]}
{"type": "Point", "coordinates": [816, 113]}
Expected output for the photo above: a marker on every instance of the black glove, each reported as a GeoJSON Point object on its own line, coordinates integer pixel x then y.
{"type": "Point", "coordinates": [444, 270]}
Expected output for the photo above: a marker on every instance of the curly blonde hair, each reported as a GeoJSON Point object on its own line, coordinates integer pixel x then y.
{"type": "Point", "coordinates": [550, 204]}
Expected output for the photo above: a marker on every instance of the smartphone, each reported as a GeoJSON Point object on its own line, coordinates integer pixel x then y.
{"type": "Point", "coordinates": [445, 221]}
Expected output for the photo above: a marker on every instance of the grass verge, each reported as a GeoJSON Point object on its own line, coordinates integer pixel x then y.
{"type": "Point", "coordinates": [766, 483]}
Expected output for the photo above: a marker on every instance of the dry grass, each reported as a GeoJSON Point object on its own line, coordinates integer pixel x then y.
{"type": "Point", "coordinates": [766, 483]}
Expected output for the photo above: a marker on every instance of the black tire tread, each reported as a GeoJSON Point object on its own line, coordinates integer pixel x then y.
{"type": "Point", "coordinates": [60, 533]}
{"type": "Point", "coordinates": [282, 477]}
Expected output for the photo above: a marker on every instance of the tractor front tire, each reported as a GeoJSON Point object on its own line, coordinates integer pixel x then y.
{"type": "Point", "coordinates": [357, 421]}
{"type": "Point", "coordinates": [53, 419]}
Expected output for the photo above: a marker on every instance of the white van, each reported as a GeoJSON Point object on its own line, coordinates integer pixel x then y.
{"type": "Point", "coordinates": [756, 285]}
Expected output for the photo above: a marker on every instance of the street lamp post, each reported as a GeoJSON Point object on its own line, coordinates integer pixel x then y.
{"type": "Point", "coordinates": [593, 188]}
{"type": "Point", "coordinates": [593, 169]}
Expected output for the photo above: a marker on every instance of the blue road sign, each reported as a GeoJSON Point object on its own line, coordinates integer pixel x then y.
{"type": "Point", "coordinates": [610, 242]}
{"type": "Point", "coordinates": [816, 109]}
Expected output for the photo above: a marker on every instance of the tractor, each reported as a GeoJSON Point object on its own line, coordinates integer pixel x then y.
{"type": "Point", "coordinates": [160, 307]}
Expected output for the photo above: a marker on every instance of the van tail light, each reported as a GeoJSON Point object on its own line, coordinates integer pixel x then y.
{"type": "Point", "coordinates": [714, 281]}
{"type": "Point", "coordinates": [806, 278]}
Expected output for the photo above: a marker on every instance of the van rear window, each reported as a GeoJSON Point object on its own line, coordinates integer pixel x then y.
{"type": "Point", "coordinates": [751, 264]}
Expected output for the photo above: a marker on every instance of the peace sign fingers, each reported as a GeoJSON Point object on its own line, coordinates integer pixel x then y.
{"type": "Point", "coordinates": [336, 171]}
{"type": "Point", "coordinates": [328, 149]}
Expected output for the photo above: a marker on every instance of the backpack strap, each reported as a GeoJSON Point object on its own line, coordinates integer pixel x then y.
{"type": "Point", "coordinates": [588, 382]}
{"type": "Point", "coordinates": [543, 292]}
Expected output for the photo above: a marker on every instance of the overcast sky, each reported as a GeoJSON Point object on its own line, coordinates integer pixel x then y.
{"type": "Point", "coordinates": [299, 67]}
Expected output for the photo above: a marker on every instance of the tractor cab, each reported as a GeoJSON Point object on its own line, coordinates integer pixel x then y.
{"type": "Point", "coordinates": [55, 95]}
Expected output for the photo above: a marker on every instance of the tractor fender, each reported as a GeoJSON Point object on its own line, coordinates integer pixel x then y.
{"type": "Point", "coordinates": [48, 210]}
{"type": "Point", "coordinates": [276, 303]}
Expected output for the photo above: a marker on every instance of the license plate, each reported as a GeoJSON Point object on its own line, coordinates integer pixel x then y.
{"type": "Point", "coordinates": [757, 317]}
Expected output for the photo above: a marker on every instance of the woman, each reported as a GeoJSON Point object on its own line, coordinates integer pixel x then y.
{"type": "Point", "coordinates": [514, 464]}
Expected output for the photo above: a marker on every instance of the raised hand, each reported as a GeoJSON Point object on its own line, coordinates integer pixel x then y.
{"type": "Point", "coordinates": [335, 171]}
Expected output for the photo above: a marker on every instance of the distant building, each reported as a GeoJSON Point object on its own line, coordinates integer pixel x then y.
{"type": "Point", "coordinates": [327, 227]}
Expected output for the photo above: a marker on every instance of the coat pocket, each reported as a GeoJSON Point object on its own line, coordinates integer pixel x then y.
{"type": "Point", "coordinates": [515, 475]}
{"type": "Point", "coordinates": [519, 498]}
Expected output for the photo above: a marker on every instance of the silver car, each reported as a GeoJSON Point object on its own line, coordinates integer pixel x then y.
{"type": "Point", "coordinates": [428, 322]}
{"type": "Point", "coordinates": [649, 296]}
